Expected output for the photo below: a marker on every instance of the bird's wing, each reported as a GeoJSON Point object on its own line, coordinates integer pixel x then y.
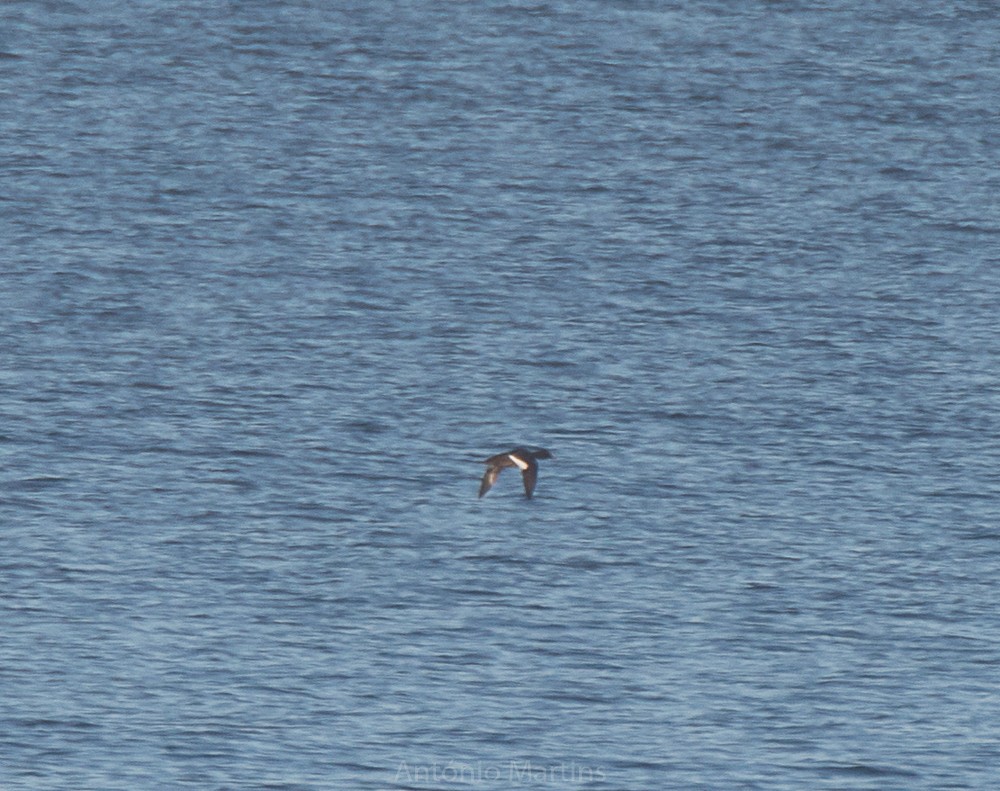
{"type": "Point", "coordinates": [489, 479]}
{"type": "Point", "coordinates": [530, 475]}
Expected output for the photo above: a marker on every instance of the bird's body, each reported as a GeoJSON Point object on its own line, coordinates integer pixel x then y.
{"type": "Point", "coordinates": [526, 460]}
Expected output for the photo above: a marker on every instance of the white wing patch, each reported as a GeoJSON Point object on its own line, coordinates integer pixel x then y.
{"type": "Point", "coordinates": [521, 463]}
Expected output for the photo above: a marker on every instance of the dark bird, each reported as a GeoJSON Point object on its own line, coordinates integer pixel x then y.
{"type": "Point", "coordinates": [522, 458]}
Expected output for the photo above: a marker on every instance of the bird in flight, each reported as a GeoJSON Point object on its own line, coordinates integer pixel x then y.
{"type": "Point", "coordinates": [526, 460]}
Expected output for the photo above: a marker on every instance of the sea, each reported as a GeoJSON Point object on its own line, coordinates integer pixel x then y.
{"type": "Point", "coordinates": [276, 276]}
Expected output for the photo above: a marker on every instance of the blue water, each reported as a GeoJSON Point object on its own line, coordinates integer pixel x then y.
{"type": "Point", "coordinates": [277, 276]}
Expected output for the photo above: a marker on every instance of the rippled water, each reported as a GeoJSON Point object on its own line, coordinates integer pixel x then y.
{"type": "Point", "coordinates": [277, 276]}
